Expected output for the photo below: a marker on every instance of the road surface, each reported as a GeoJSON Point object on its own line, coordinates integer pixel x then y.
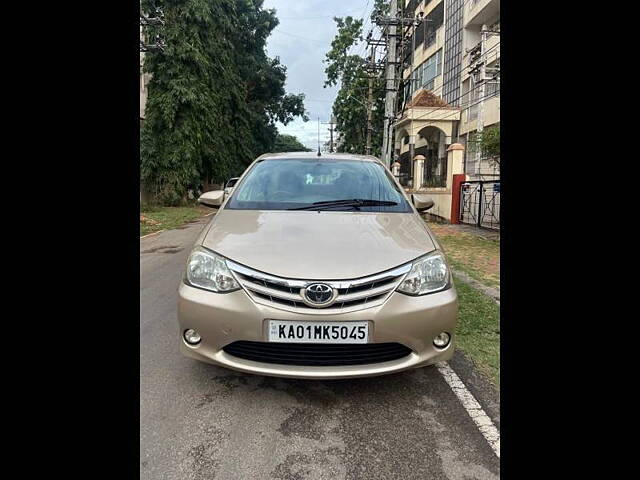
{"type": "Point", "coordinates": [199, 421]}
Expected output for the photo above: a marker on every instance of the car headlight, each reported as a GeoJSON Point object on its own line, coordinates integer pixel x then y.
{"type": "Point", "coordinates": [209, 271]}
{"type": "Point", "coordinates": [428, 274]}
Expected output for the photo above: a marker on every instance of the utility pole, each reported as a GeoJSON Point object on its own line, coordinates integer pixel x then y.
{"type": "Point", "coordinates": [390, 86]}
{"type": "Point", "coordinates": [393, 73]}
{"type": "Point", "coordinates": [370, 103]}
{"type": "Point", "coordinates": [331, 123]}
{"type": "Point", "coordinates": [373, 68]}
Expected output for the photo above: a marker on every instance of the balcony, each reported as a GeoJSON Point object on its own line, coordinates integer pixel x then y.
{"type": "Point", "coordinates": [477, 12]}
{"type": "Point", "coordinates": [492, 49]}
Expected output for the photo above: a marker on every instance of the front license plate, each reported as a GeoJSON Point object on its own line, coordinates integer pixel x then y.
{"type": "Point", "coordinates": [318, 332]}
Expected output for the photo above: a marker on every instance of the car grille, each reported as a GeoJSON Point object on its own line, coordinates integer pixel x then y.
{"type": "Point", "coordinates": [319, 355]}
{"type": "Point", "coordinates": [284, 293]}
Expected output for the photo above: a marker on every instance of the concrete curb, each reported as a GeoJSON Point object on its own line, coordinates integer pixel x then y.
{"type": "Point", "coordinates": [154, 233]}
{"type": "Point", "coordinates": [164, 229]}
{"type": "Point", "coordinates": [489, 291]}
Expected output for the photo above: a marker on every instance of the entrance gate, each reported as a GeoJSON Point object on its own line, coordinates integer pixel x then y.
{"type": "Point", "coordinates": [480, 203]}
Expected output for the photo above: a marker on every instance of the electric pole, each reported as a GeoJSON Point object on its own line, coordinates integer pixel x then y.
{"type": "Point", "coordinates": [393, 71]}
{"type": "Point", "coordinates": [390, 86]}
{"type": "Point", "coordinates": [331, 123]}
{"type": "Point", "coordinates": [370, 101]}
{"type": "Point", "coordinates": [373, 69]}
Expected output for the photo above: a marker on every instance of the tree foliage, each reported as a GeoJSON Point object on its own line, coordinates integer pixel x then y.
{"type": "Point", "coordinates": [349, 71]}
{"type": "Point", "coordinates": [214, 95]}
{"type": "Point", "coordinates": [288, 143]}
{"type": "Point", "coordinates": [489, 142]}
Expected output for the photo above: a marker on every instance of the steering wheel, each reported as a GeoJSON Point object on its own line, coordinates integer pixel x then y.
{"type": "Point", "coordinates": [280, 192]}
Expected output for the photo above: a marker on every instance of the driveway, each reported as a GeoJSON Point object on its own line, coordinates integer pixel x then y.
{"type": "Point", "coordinates": [199, 421]}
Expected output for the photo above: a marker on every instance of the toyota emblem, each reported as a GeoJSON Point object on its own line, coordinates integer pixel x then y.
{"type": "Point", "coordinates": [319, 294]}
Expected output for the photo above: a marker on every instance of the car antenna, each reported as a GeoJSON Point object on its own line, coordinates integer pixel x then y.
{"type": "Point", "coordinates": [319, 136]}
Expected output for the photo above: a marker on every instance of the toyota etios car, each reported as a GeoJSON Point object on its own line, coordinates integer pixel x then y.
{"type": "Point", "coordinates": [317, 267]}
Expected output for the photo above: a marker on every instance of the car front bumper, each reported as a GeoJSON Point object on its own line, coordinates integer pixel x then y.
{"type": "Point", "coordinates": [223, 318]}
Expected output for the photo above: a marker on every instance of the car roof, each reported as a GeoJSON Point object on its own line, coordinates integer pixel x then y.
{"type": "Point", "coordinates": [314, 155]}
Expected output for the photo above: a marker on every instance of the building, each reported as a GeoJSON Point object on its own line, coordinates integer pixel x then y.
{"type": "Point", "coordinates": [449, 92]}
{"type": "Point", "coordinates": [427, 124]}
{"type": "Point", "coordinates": [480, 84]}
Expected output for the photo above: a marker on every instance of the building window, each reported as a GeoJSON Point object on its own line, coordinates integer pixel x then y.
{"type": "Point", "coordinates": [452, 52]}
{"type": "Point", "coordinates": [432, 23]}
{"type": "Point", "coordinates": [431, 68]}
{"type": "Point", "coordinates": [419, 35]}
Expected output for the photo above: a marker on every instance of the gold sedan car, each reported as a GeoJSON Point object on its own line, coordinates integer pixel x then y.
{"type": "Point", "coordinates": [317, 267]}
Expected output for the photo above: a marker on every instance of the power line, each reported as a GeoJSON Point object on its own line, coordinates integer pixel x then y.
{"type": "Point", "coordinates": [299, 36]}
{"type": "Point", "coordinates": [345, 14]}
{"type": "Point", "coordinates": [410, 78]}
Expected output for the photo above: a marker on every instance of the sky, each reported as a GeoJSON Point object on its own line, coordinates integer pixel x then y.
{"type": "Point", "coordinates": [301, 40]}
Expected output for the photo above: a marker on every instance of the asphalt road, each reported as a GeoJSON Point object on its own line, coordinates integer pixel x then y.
{"type": "Point", "coordinates": [199, 421]}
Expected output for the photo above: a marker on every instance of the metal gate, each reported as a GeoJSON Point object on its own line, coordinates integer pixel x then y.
{"type": "Point", "coordinates": [480, 203]}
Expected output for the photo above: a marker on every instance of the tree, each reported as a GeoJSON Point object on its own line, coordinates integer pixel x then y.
{"type": "Point", "coordinates": [288, 143]}
{"type": "Point", "coordinates": [350, 105]}
{"type": "Point", "coordinates": [489, 142]}
{"type": "Point", "coordinates": [214, 94]}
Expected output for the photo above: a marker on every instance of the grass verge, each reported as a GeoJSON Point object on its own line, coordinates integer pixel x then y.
{"type": "Point", "coordinates": [478, 331]}
{"type": "Point", "coordinates": [154, 218]}
{"type": "Point", "coordinates": [474, 255]}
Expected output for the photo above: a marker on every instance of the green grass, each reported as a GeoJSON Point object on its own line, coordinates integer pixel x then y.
{"type": "Point", "coordinates": [476, 256]}
{"type": "Point", "coordinates": [168, 217]}
{"type": "Point", "coordinates": [478, 331]}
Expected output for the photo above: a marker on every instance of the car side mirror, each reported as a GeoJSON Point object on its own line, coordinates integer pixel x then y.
{"type": "Point", "coordinates": [421, 202]}
{"type": "Point", "coordinates": [212, 199]}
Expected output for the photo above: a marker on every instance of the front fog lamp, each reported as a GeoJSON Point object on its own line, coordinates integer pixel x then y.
{"type": "Point", "coordinates": [209, 271]}
{"type": "Point", "coordinates": [442, 340]}
{"type": "Point", "coordinates": [192, 337]}
{"type": "Point", "coordinates": [428, 274]}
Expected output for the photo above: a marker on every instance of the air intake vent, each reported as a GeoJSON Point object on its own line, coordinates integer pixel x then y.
{"type": "Point", "coordinates": [319, 355]}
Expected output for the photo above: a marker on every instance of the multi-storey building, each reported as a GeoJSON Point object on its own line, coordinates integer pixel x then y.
{"type": "Point", "coordinates": [427, 124]}
{"type": "Point", "coordinates": [450, 87]}
{"type": "Point", "coordinates": [480, 87]}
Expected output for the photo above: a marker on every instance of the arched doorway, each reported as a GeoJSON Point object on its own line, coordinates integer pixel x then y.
{"type": "Point", "coordinates": [431, 142]}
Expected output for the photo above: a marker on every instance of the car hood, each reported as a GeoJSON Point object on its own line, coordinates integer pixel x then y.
{"type": "Point", "coordinates": [318, 246]}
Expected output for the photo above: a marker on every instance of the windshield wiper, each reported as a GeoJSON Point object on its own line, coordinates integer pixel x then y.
{"type": "Point", "coordinates": [354, 202]}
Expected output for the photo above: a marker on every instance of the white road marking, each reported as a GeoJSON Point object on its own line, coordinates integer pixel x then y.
{"type": "Point", "coordinates": [473, 408]}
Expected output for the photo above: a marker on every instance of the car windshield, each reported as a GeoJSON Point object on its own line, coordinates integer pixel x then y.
{"type": "Point", "coordinates": [285, 184]}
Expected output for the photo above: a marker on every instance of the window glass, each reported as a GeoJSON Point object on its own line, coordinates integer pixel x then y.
{"type": "Point", "coordinates": [281, 184]}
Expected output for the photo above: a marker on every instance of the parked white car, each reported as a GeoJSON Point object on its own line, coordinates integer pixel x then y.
{"type": "Point", "coordinates": [228, 187]}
